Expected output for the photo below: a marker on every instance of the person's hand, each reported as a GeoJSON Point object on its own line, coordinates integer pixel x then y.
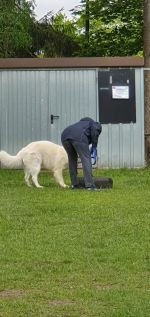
{"type": "Point", "coordinates": [93, 153]}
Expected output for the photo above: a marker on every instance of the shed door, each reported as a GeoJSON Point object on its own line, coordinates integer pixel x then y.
{"type": "Point", "coordinates": [71, 96]}
{"type": "Point", "coordinates": [117, 96]}
{"type": "Point", "coordinates": [39, 104]}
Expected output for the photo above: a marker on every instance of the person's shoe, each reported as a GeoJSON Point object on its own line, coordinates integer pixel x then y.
{"type": "Point", "coordinates": [93, 189]}
{"type": "Point", "coordinates": [75, 187]}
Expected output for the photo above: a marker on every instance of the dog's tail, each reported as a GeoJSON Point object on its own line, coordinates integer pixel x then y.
{"type": "Point", "coordinates": [10, 161]}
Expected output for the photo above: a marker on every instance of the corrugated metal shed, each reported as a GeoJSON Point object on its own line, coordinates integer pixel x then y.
{"type": "Point", "coordinates": [31, 90]}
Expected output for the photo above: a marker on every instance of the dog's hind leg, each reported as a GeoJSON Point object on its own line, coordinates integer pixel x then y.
{"type": "Point", "coordinates": [26, 178]}
{"type": "Point", "coordinates": [35, 172]}
{"type": "Point", "coordinates": [32, 163]}
{"type": "Point", "coordinates": [59, 178]}
{"type": "Point", "coordinates": [35, 180]}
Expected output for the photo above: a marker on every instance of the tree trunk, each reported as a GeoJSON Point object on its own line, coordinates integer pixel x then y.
{"type": "Point", "coordinates": [87, 21]}
{"type": "Point", "coordinates": [147, 78]}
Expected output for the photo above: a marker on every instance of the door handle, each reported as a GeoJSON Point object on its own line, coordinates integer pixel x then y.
{"type": "Point", "coordinates": [53, 117]}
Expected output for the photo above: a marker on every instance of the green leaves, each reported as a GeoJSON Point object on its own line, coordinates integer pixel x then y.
{"type": "Point", "coordinates": [115, 27]}
{"type": "Point", "coordinates": [15, 19]}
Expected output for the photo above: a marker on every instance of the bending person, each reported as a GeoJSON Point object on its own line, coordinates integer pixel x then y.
{"type": "Point", "coordinates": [76, 139]}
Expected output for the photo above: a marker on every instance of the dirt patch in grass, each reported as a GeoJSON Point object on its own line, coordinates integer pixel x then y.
{"type": "Point", "coordinates": [56, 302]}
{"type": "Point", "coordinates": [105, 286]}
{"type": "Point", "coordinates": [11, 293]}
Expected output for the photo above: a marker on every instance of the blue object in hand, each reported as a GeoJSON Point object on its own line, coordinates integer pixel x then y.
{"type": "Point", "coordinates": [93, 152]}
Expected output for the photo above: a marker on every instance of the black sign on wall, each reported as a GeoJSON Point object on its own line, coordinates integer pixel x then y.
{"type": "Point", "coordinates": [117, 96]}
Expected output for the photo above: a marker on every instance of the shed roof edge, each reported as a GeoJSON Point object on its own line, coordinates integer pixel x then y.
{"type": "Point", "coordinates": [72, 62]}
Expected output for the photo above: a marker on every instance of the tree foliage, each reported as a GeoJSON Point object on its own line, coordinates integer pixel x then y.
{"type": "Point", "coordinates": [16, 17]}
{"type": "Point", "coordinates": [97, 28]}
{"type": "Point", "coordinates": [116, 27]}
{"type": "Point", "coordinates": [58, 36]}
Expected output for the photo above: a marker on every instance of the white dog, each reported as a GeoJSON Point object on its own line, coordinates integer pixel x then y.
{"type": "Point", "coordinates": [37, 155]}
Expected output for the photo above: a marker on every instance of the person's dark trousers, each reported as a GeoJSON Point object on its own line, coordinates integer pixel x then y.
{"type": "Point", "coordinates": [82, 148]}
{"type": "Point", "coordinates": [72, 157]}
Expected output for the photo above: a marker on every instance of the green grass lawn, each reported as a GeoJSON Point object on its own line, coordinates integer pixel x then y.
{"type": "Point", "coordinates": [66, 253]}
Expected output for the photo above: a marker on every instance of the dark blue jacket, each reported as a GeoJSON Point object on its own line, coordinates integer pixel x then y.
{"type": "Point", "coordinates": [86, 130]}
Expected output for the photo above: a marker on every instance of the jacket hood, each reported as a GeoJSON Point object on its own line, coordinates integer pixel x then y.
{"type": "Point", "coordinates": [87, 119]}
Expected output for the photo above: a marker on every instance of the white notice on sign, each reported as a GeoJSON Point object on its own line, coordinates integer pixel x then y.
{"type": "Point", "coordinates": [120, 92]}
